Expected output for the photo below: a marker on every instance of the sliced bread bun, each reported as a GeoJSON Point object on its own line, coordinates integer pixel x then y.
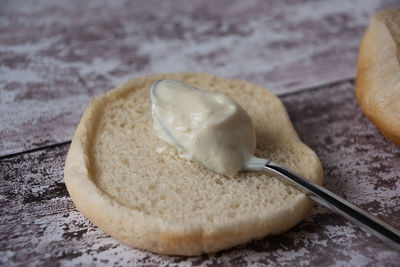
{"type": "Point", "coordinates": [169, 205]}
{"type": "Point", "coordinates": [378, 74]}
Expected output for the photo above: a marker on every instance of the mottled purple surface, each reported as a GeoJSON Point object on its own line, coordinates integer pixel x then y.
{"type": "Point", "coordinates": [39, 224]}
{"type": "Point", "coordinates": [55, 55]}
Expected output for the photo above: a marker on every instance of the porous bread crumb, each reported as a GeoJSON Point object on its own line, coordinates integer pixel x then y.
{"type": "Point", "coordinates": [128, 167]}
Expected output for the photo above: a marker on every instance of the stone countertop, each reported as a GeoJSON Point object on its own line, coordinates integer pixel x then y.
{"type": "Point", "coordinates": [55, 56]}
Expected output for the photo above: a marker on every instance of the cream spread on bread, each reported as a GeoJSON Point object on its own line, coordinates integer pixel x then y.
{"type": "Point", "coordinates": [207, 127]}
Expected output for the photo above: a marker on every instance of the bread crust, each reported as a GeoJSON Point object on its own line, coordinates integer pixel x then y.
{"type": "Point", "coordinates": [157, 234]}
{"type": "Point", "coordinates": [378, 73]}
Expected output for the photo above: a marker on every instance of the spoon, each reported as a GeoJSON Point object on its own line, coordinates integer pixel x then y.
{"type": "Point", "coordinates": [317, 193]}
{"type": "Point", "coordinates": [326, 198]}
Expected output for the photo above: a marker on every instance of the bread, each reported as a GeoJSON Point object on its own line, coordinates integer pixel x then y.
{"type": "Point", "coordinates": [378, 74]}
{"type": "Point", "coordinates": [165, 204]}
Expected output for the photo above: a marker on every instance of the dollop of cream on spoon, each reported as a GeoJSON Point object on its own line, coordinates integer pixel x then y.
{"type": "Point", "coordinates": [207, 127]}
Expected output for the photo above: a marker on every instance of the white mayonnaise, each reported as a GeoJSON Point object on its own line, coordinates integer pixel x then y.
{"type": "Point", "coordinates": [207, 127]}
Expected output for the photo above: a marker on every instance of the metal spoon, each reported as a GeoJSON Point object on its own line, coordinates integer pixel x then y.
{"type": "Point", "coordinates": [326, 198]}
{"type": "Point", "coordinates": [319, 194]}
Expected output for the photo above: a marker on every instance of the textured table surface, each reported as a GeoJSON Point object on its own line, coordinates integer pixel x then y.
{"type": "Point", "coordinates": [55, 56]}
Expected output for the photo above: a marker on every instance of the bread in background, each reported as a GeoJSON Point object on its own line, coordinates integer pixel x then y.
{"type": "Point", "coordinates": [378, 74]}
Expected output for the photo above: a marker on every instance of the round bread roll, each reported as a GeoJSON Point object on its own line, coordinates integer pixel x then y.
{"type": "Point", "coordinates": [165, 204]}
{"type": "Point", "coordinates": [378, 74]}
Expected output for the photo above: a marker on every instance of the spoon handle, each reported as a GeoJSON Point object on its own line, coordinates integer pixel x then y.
{"type": "Point", "coordinates": [319, 194]}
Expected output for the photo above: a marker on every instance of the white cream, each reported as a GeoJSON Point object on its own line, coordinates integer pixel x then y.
{"type": "Point", "coordinates": [207, 127]}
